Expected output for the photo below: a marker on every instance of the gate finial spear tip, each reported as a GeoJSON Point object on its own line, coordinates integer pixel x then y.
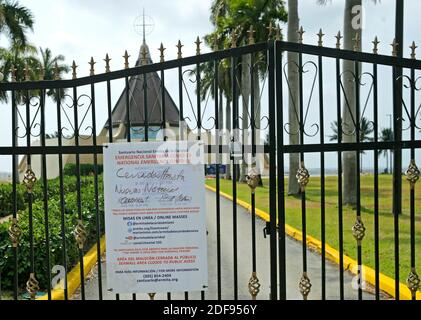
{"type": "Point", "coordinates": [251, 33]}
{"type": "Point", "coordinates": [233, 39]}
{"type": "Point", "coordinates": [56, 71]}
{"type": "Point", "coordinates": [320, 35]}
{"type": "Point", "coordinates": [395, 48]}
{"type": "Point", "coordinates": [179, 46]}
{"type": "Point", "coordinates": [278, 33]}
{"type": "Point", "coordinates": [338, 40]}
{"type": "Point", "coordinates": [376, 45]}
{"type": "Point", "coordinates": [74, 67]}
{"type": "Point", "coordinates": [198, 43]}
{"type": "Point", "coordinates": [107, 63]}
{"type": "Point", "coordinates": [26, 70]}
{"type": "Point", "coordinates": [300, 34]}
{"type": "Point", "coordinates": [413, 50]}
{"type": "Point", "coordinates": [126, 60]}
{"type": "Point", "coordinates": [161, 50]}
{"type": "Point", "coordinates": [270, 30]}
{"type": "Point", "coordinates": [92, 64]}
{"type": "Point", "coordinates": [13, 72]}
{"type": "Point", "coordinates": [41, 73]}
{"type": "Point", "coordinates": [357, 42]}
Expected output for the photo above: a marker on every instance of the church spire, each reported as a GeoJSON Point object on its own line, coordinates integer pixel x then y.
{"type": "Point", "coordinates": [144, 25]}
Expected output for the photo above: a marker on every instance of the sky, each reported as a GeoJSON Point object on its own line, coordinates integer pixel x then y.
{"type": "Point", "coordinates": [81, 29]}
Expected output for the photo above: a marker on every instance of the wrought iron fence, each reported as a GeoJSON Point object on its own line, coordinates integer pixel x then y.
{"type": "Point", "coordinates": [234, 74]}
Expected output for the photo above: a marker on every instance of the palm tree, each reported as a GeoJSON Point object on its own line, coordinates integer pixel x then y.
{"type": "Point", "coordinates": [15, 21]}
{"type": "Point", "coordinates": [240, 16]}
{"type": "Point", "coordinates": [48, 64]}
{"type": "Point", "coordinates": [366, 129]}
{"type": "Point", "coordinates": [293, 110]}
{"type": "Point", "coordinates": [386, 135]}
{"type": "Point", "coordinates": [349, 111]}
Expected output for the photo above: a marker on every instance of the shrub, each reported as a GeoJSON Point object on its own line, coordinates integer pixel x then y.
{"type": "Point", "coordinates": [56, 242]}
{"type": "Point", "coordinates": [85, 169]}
{"type": "Point", "coordinates": [6, 199]}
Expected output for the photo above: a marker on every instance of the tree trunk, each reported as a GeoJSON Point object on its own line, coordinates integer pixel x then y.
{"type": "Point", "coordinates": [228, 127]}
{"type": "Point", "coordinates": [245, 92]}
{"type": "Point", "coordinates": [349, 111]}
{"type": "Point", "coordinates": [293, 107]}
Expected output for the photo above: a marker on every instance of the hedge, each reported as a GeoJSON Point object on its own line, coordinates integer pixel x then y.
{"type": "Point", "coordinates": [53, 190]}
{"type": "Point", "coordinates": [56, 242]}
{"type": "Point", "coordinates": [85, 169]}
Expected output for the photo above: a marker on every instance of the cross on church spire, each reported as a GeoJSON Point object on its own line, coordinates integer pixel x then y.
{"type": "Point", "coordinates": [140, 25]}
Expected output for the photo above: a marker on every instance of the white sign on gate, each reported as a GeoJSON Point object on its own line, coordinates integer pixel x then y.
{"type": "Point", "coordinates": [155, 217]}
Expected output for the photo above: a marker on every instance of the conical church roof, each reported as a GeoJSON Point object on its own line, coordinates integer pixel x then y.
{"type": "Point", "coordinates": [153, 99]}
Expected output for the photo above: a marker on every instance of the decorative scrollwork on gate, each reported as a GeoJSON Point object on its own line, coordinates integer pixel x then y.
{"type": "Point", "coordinates": [363, 125]}
{"type": "Point", "coordinates": [412, 173]}
{"type": "Point", "coordinates": [254, 285]}
{"type": "Point", "coordinates": [32, 123]}
{"type": "Point", "coordinates": [301, 127]}
{"type": "Point", "coordinates": [303, 177]}
{"type": "Point", "coordinates": [80, 234]}
{"type": "Point", "coordinates": [29, 180]}
{"type": "Point", "coordinates": [32, 286]}
{"type": "Point", "coordinates": [409, 117]}
{"type": "Point", "coordinates": [75, 129]}
{"type": "Point", "coordinates": [358, 230]}
{"type": "Point", "coordinates": [305, 285]}
{"type": "Point", "coordinates": [413, 282]}
{"type": "Point", "coordinates": [15, 233]}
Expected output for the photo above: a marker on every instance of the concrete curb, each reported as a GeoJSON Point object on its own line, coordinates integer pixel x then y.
{"type": "Point", "coordinates": [386, 283]}
{"type": "Point", "coordinates": [73, 277]}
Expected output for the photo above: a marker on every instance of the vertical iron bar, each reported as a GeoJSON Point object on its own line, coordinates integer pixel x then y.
{"type": "Point", "coordinates": [397, 112]}
{"type": "Point", "coordinates": [272, 174]}
{"type": "Point", "coordinates": [145, 107]}
{"type": "Point", "coordinates": [303, 193]}
{"type": "Point", "coordinates": [397, 155]}
{"type": "Point", "coordinates": [412, 190]}
{"type": "Point", "coordinates": [218, 185]}
{"type": "Point", "coordinates": [78, 187]}
{"type": "Point", "coordinates": [110, 118]}
{"type": "Point", "coordinates": [14, 191]}
{"type": "Point", "coordinates": [45, 194]}
{"type": "Point", "coordinates": [322, 179]}
{"type": "Point", "coordinates": [181, 106]}
{"type": "Point", "coordinates": [199, 124]}
{"type": "Point", "coordinates": [340, 211]}
{"type": "Point", "coordinates": [253, 146]}
{"type": "Point", "coordinates": [163, 109]}
{"type": "Point", "coordinates": [62, 199]}
{"type": "Point", "coordinates": [281, 173]}
{"type": "Point", "coordinates": [181, 129]}
{"type": "Point", "coordinates": [110, 129]}
{"type": "Point", "coordinates": [96, 187]}
{"type": "Point", "coordinates": [358, 137]}
{"type": "Point", "coordinates": [30, 195]}
{"type": "Point", "coordinates": [234, 62]}
{"type": "Point", "coordinates": [376, 187]}
{"type": "Point", "coordinates": [128, 124]}
{"type": "Point", "coordinates": [164, 124]}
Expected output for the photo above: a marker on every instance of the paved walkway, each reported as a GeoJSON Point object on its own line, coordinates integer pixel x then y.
{"type": "Point", "coordinates": [293, 263]}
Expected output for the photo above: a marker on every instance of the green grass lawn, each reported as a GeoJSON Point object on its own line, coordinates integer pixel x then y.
{"type": "Point", "coordinates": [386, 234]}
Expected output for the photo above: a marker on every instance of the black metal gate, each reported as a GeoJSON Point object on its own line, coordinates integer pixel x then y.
{"type": "Point", "coordinates": [72, 204]}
